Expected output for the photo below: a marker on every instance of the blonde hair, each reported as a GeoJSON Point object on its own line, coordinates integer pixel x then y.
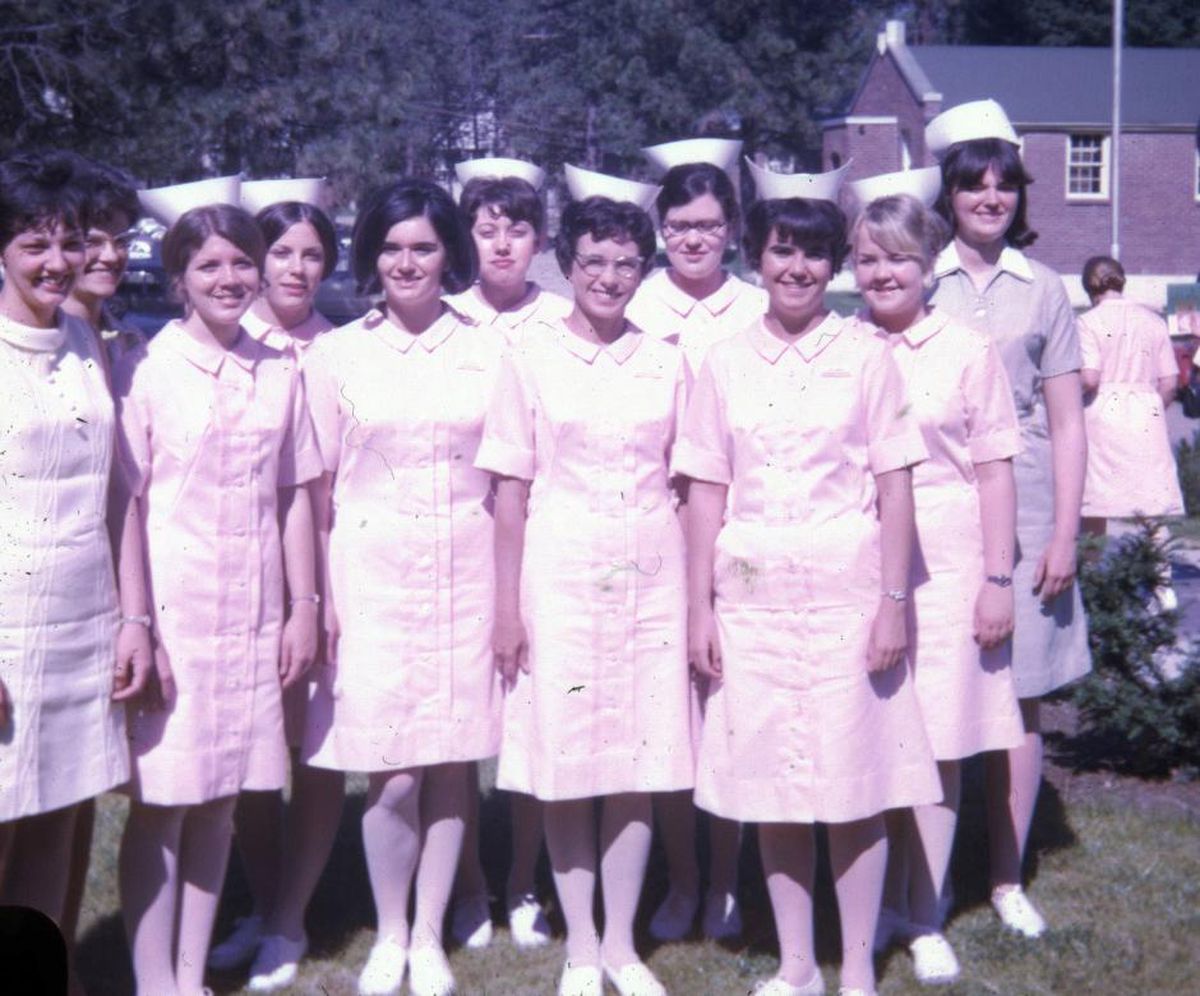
{"type": "Point", "coordinates": [901, 224]}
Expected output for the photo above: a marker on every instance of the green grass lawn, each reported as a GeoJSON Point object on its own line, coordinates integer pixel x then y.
{"type": "Point", "coordinates": [1121, 890]}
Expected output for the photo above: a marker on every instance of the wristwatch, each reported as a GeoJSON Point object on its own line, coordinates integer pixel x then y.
{"type": "Point", "coordinates": [1000, 580]}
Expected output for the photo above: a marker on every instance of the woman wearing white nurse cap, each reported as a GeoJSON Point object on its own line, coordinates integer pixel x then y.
{"type": "Point", "coordinates": [924, 184]}
{"type": "Point", "coordinates": [259, 194]}
{"type": "Point", "coordinates": [719, 152]}
{"type": "Point", "coordinates": [810, 186]}
{"type": "Point", "coordinates": [497, 168]}
{"type": "Point", "coordinates": [585, 183]}
{"type": "Point", "coordinates": [167, 204]}
{"type": "Point", "coordinates": [968, 122]}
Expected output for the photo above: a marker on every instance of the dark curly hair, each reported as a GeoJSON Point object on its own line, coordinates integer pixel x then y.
{"type": "Point", "coordinates": [602, 218]}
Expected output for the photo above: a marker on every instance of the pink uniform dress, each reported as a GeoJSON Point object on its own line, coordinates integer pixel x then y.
{"type": "Point", "coordinates": [294, 344]}
{"type": "Point", "coordinates": [798, 730]}
{"type": "Point", "coordinates": [210, 436]}
{"type": "Point", "coordinates": [1131, 468]}
{"type": "Point", "coordinates": [537, 306]}
{"type": "Point", "coordinates": [606, 705]}
{"type": "Point", "coordinates": [666, 312]}
{"type": "Point", "coordinates": [65, 740]}
{"type": "Point", "coordinates": [961, 397]}
{"type": "Point", "coordinates": [398, 419]}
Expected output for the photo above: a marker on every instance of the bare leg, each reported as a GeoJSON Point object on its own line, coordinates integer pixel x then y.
{"type": "Point", "coordinates": [442, 808]}
{"type": "Point", "coordinates": [149, 877]}
{"type": "Point", "coordinates": [1013, 778]}
{"type": "Point", "coordinates": [931, 847]}
{"type": "Point", "coordinates": [624, 850]}
{"type": "Point", "coordinates": [527, 833]}
{"type": "Point", "coordinates": [259, 824]}
{"type": "Point", "coordinates": [788, 858]}
{"type": "Point", "coordinates": [858, 856]}
{"type": "Point", "coordinates": [40, 862]}
{"type": "Point", "coordinates": [310, 827]}
{"type": "Point", "coordinates": [571, 840]}
{"type": "Point", "coordinates": [392, 840]}
{"type": "Point", "coordinates": [900, 833]}
{"type": "Point", "coordinates": [203, 858]}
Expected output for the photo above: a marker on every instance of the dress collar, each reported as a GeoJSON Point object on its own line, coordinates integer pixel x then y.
{"type": "Point", "coordinates": [209, 356]}
{"type": "Point", "coordinates": [31, 339]}
{"type": "Point", "coordinates": [810, 345]}
{"type": "Point", "coordinates": [620, 349]}
{"type": "Point", "coordinates": [403, 341]}
{"type": "Point", "coordinates": [1011, 261]}
{"type": "Point", "coordinates": [682, 303]}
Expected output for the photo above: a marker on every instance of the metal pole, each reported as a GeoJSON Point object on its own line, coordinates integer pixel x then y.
{"type": "Point", "coordinates": [1118, 35]}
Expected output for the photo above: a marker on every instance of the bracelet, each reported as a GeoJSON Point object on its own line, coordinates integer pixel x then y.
{"type": "Point", "coordinates": [1000, 580]}
{"type": "Point", "coordinates": [137, 621]}
{"type": "Point", "coordinates": [314, 598]}
{"type": "Point", "coordinates": [896, 594]}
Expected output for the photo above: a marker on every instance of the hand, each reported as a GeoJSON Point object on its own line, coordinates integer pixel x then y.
{"type": "Point", "coordinates": [135, 661]}
{"type": "Point", "coordinates": [5, 706]}
{"type": "Point", "coordinates": [160, 689]}
{"type": "Point", "coordinates": [993, 615]}
{"type": "Point", "coordinates": [889, 635]}
{"type": "Point", "coordinates": [1055, 571]}
{"type": "Point", "coordinates": [704, 648]}
{"type": "Point", "coordinates": [510, 646]}
{"type": "Point", "coordinates": [298, 646]}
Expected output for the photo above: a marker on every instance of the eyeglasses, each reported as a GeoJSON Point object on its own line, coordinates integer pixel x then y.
{"type": "Point", "coordinates": [625, 267]}
{"type": "Point", "coordinates": [97, 241]}
{"type": "Point", "coordinates": [705, 229]}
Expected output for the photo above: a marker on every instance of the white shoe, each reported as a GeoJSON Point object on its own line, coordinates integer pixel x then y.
{"type": "Point", "coordinates": [844, 991]}
{"type": "Point", "coordinates": [384, 970]}
{"type": "Point", "coordinates": [722, 916]}
{"type": "Point", "coordinates": [277, 962]}
{"type": "Point", "coordinates": [471, 922]}
{"type": "Point", "coordinates": [581, 980]}
{"type": "Point", "coordinates": [934, 961]}
{"type": "Point", "coordinates": [781, 987]}
{"type": "Point", "coordinates": [527, 923]}
{"type": "Point", "coordinates": [635, 979]}
{"type": "Point", "coordinates": [1017, 913]}
{"type": "Point", "coordinates": [429, 972]}
{"type": "Point", "coordinates": [239, 947]}
{"type": "Point", "coordinates": [673, 919]}
{"type": "Point", "coordinates": [891, 928]}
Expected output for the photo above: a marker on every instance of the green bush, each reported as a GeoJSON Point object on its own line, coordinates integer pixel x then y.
{"type": "Point", "coordinates": [1187, 462]}
{"type": "Point", "coordinates": [1150, 716]}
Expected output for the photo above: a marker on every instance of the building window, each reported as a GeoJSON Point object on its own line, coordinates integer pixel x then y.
{"type": "Point", "coordinates": [1087, 167]}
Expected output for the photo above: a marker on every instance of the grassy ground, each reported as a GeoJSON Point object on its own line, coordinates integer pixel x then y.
{"type": "Point", "coordinates": [1120, 887]}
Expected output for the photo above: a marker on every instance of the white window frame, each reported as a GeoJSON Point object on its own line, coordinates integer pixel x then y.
{"type": "Point", "coordinates": [1105, 166]}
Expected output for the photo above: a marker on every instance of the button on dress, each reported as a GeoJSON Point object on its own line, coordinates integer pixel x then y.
{"type": "Point", "coordinates": [398, 419]}
{"type": "Point", "coordinates": [666, 312]}
{"type": "Point", "coordinates": [537, 306]}
{"type": "Point", "coordinates": [798, 730]}
{"type": "Point", "coordinates": [210, 435]}
{"type": "Point", "coordinates": [1024, 311]}
{"type": "Point", "coordinates": [65, 740]}
{"type": "Point", "coordinates": [606, 707]}
{"type": "Point", "coordinates": [961, 397]}
{"type": "Point", "coordinates": [1131, 468]}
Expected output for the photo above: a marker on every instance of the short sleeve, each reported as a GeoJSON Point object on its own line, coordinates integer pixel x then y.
{"type": "Point", "coordinates": [322, 394]}
{"type": "Point", "coordinates": [1089, 345]}
{"type": "Point", "coordinates": [1060, 354]}
{"type": "Point", "coordinates": [133, 420]}
{"type": "Point", "coordinates": [894, 437]}
{"type": "Point", "coordinates": [508, 444]}
{"type": "Point", "coordinates": [704, 449]}
{"type": "Point", "coordinates": [299, 458]}
{"type": "Point", "coordinates": [992, 430]}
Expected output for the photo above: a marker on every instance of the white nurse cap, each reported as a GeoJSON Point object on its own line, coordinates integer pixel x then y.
{"type": "Point", "coordinates": [168, 203]}
{"type": "Point", "coordinates": [976, 119]}
{"type": "Point", "coordinates": [810, 186]}
{"type": "Point", "coordinates": [259, 194]}
{"type": "Point", "coordinates": [719, 152]}
{"type": "Point", "coordinates": [924, 184]}
{"type": "Point", "coordinates": [498, 168]}
{"type": "Point", "coordinates": [584, 183]}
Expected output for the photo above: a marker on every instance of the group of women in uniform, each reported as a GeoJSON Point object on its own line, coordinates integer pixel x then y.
{"type": "Point", "coordinates": [680, 536]}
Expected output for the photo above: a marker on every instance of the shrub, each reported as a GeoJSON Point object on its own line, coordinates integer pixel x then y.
{"type": "Point", "coordinates": [1150, 713]}
{"type": "Point", "coordinates": [1187, 462]}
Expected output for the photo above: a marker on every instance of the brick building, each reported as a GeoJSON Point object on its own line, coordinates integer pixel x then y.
{"type": "Point", "coordinates": [1059, 100]}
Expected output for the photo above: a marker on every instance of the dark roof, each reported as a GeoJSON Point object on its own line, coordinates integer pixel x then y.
{"type": "Point", "coordinates": [1160, 86]}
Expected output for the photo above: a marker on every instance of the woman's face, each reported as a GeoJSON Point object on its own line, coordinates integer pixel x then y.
{"type": "Point", "coordinates": [40, 266]}
{"type": "Point", "coordinates": [696, 235]}
{"type": "Point", "coordinates": [505, 248]}
{"type": "Point", "coordinates": [604, 274]}
{"type": "Point", "coordinates": [795, 279]}
{"type": "Point", "coordinates": [220, 282]}
{"type": "Point", "coordinates": [293, 270]}
{"type": "Point", "coordinates": [984, 212]}
{"type": "Point", "coordinates": [410, 264]}
{"type": "Point", "coordinates": [106, 254]}
{"type": "Point", "coordinates": [892, 283]}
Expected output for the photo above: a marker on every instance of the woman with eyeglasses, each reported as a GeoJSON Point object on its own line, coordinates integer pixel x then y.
{"type": "Point", "coordinates": [589, 627]}
{"type": "Point", "coordinates": [696, 302]}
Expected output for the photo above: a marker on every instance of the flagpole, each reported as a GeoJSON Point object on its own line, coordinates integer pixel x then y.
{"type": "Point", "coordinates": [1118, 33]}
